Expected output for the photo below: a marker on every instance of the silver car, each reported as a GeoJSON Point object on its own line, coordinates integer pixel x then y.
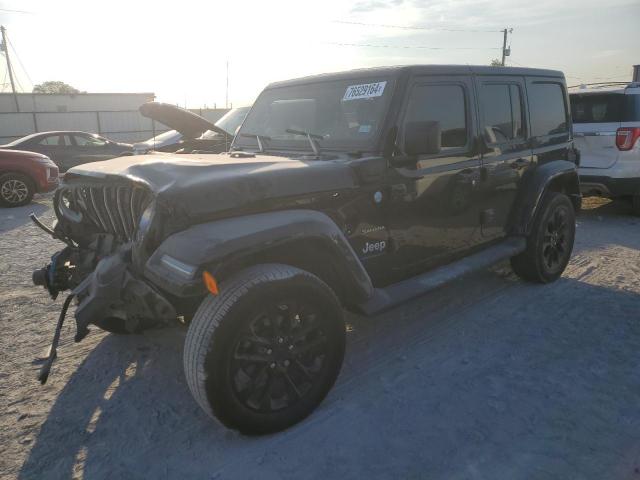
{"type": "Point", "coordinates": [606, 126]}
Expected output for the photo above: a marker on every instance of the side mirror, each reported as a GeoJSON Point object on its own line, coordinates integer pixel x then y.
{"type": "Point", "coordinates": [422, 138]}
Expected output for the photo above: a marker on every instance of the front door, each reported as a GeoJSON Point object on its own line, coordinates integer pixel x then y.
{"type": "Point", "coordinates": [432, 211]}
{"type": "Point", "coordinates": [506, 150]}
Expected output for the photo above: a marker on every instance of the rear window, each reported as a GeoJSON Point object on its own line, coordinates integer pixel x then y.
{"type": "Point", "coordinates": [605, 108]}
{"type": "Point", "coordinates": [547, 108]}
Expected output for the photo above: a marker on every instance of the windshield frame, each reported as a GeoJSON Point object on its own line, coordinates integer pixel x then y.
{"type": "Point", "coordinates": [220, 123]}
{"type": "Point", "coordinates": [373, 144]}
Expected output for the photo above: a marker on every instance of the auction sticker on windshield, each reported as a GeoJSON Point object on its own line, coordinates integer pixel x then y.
{"type": "Point", "coordinates": [366, 90]}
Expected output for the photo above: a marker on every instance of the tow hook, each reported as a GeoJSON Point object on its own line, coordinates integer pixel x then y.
{"type": "Point", "coordinates": [53, 351]}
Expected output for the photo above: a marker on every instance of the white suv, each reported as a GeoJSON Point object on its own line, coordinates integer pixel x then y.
{"type": "Point", "coordinates": [606, 126]}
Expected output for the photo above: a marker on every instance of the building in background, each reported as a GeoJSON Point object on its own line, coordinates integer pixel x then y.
{"type": "Point", "coordinates": [114, 115]}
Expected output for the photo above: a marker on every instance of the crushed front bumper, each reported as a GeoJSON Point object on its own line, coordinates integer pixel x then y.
{"type": "Point", "coordinates": [111, 291]}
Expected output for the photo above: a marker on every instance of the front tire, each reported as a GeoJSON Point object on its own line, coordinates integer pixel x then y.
{"type": "Point", "coordinates": [16, 190]}
{"type": "Point", "coordinates": [264, 353]}
{"type": "Point", "coordinates": [550, 243]}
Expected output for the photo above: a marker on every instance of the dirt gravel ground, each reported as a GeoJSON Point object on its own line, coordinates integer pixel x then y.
{"type": "Point", "coordinates": [490, 378]}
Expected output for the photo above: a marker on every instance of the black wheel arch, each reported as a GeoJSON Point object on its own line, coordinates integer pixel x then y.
{"type": "Point", "coordinates": [555, 176]}
{"type": "Point", "coordinates": [305, 239]}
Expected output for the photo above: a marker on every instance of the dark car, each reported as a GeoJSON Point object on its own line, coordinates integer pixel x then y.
{"type": "Point", "coordinates": [70, 148]}
{"type": "Point", "coordinates": [22, 174]}
{"type": "Point", "coordinates": [193, 133]}
{"type": "Point", "coordinates": [356, 190]}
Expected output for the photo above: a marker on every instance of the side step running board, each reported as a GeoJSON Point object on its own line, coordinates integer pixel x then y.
{"type": "Point", "coordinates": [388, 297]}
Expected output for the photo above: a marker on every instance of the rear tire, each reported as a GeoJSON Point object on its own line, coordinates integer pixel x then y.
{"type": "Point", "coordinates": [550, 243]}
{"type": "Point", "coordinates": [264, 353]}
{"type": "Point", "coordinates": [16, 190]}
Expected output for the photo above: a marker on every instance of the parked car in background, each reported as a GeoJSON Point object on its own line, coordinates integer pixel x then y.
{"type": "Point", "coordinates": [198, 133]}
{"type": "Point", "coordinates": [606, 125]}
{"type": "Point", "coordinates": [70, 148]}
{"type": "Point", "coordinates": [164, 142]}
{"type": "Point", "coordinates": [22, 174]}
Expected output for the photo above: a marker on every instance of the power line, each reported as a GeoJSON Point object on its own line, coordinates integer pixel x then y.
{"type": "Point", "coordinates": [20, 62]}
{"type": "Point", "coordinates": [406, 27]}
{"type": "Point", "coordinates": [4, 81]}
{"type": "Point", "coordinates": [8, 10]}
{"type": "Point", "coordinates": [422, 47]}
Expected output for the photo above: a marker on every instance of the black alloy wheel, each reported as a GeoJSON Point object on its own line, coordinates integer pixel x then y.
{"type": "Point", "coordinates": [278, 357]}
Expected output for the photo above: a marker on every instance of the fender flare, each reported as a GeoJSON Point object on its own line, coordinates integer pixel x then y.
{"type": "Point", "coordinates": [557, 175]}
{"type": "Point", "coordinates": [216, 245]}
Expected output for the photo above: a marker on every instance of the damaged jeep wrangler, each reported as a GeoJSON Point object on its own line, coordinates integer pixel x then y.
{"type": "Point", "coordinates": [356, 190]}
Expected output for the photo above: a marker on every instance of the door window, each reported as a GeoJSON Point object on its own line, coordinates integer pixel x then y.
{"type": "Point", "coordinates": [89, 141]}
{"type": "Point", "coordinates": [502, 113]}
{"type": "Point", "coordinates": [547, 108]}
{"type": "Point", "coordinates": [444, 104]}
{"type": "Point", "coordinates": [52, 140]}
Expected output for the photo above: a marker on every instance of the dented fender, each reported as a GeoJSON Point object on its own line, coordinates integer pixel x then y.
{"type": "Point", "coordinates": [215, 244]}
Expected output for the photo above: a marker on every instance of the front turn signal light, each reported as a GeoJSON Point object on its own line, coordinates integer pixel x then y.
{"type": "Point", "coordinates": [210, 282]}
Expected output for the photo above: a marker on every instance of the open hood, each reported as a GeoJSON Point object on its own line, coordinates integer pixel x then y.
{"type": "Point", "coordinates": [187, 123]}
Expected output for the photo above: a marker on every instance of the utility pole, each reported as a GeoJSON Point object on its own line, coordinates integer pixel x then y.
{"type": "Point", "coordinates": [505, 51]}
{"type": "Point", "coordinates": [5, 49]}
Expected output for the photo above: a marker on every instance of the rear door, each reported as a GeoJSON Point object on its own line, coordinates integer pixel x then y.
{"type": "Point", "coordinates": [89, 148]}
{"type": "Point", "coordinates": [596, 117]}
{"type": "Point", "coordinates": [506, 151]}
{"type": "Point", "coordinates": [50, 145]}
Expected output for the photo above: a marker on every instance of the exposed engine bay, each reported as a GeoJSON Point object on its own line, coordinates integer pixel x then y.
{"type": "Point", "coordinates": [100, 226]}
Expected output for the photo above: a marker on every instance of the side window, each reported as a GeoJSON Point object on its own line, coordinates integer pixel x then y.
{"type": "Point", "coordinates": [547, 109]}
{"type": "Point", "coordinates": [596, 108]}
{"type": "Point", "coordinates": [89, 141]}
{"type": "Point", "coordinates": [444, 104]}
{"type": "Point", "coordinates": [53, 140]}
{"type": "Point", "coordinates": [502, 112]}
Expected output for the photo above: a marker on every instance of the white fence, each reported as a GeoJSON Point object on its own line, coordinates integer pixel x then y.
{"type": "Point", "coordinates": [124, 126]}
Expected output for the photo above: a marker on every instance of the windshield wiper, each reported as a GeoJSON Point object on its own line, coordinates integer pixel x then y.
{"type": "Point", "coordinates": [259, 138]}
{"type": "Point", "coordinates": [312, 137]}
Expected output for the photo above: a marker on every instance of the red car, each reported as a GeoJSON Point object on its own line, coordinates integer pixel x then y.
{"type": "Point", "coordinates": [22, 174]}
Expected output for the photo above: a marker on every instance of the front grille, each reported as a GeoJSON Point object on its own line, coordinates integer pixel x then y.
{"type": "Point", "coordinates": [114, 209]}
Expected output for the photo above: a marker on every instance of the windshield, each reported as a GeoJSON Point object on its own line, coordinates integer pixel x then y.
{"type": "Point", "coordinates": [164, 137]}
{"type": "Point", "coordinates": [340, 114]}
{"type": "Point", "coordinates": [229, 122]}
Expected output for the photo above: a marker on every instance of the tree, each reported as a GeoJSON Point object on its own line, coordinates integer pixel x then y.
{"type": "Point", "coordinates": [496, 62]}
{"type": "Point", "coordinates": [54, 87]}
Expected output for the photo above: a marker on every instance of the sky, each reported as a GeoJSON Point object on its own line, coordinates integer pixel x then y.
{"type": "Point", "coordinates": [180, 50]}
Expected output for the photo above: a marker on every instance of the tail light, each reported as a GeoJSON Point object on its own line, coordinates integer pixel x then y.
{"type": "Point", "coordinates": [626, 137]}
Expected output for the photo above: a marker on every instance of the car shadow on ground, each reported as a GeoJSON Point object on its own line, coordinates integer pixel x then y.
{"type": "Point", "coordinates": [127, 412]}
{"type": "Point", "coordinates": [16, 217]}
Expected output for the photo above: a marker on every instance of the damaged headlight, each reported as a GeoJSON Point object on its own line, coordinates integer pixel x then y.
{"type": "Point", "coordinates": [177, 266]}
{"type": "Point", "coordinates": [146, 219]}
